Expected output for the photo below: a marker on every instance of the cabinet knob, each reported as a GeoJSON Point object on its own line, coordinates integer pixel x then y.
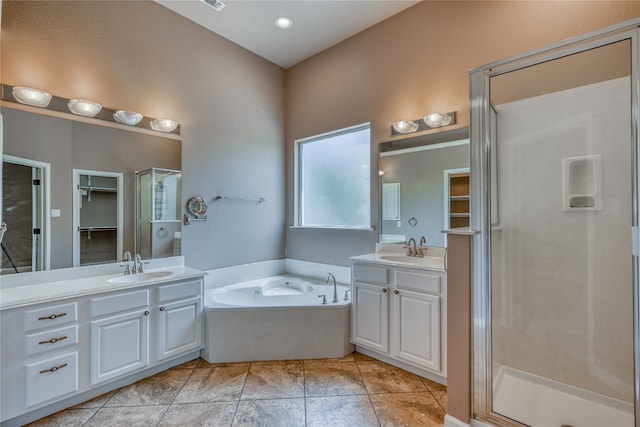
{"type": "Point", "coordinates": [146, 313]}
{"type": "Point", "coordinates": [161, 308]}
{"type": "Point", "coordinates": [396, 292]}
{"type": "Point", "coordinates": [384, 290]}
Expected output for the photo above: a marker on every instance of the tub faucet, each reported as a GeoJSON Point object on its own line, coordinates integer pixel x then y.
{"type": "Point", "coordinates": [335, 289]}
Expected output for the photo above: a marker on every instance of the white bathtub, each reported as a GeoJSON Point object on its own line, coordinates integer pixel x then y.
{"type": "Point", "coordinates": [276, 318]}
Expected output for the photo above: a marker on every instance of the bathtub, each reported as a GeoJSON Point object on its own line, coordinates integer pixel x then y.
{"type": "Point", "coordinates": [276, 318]}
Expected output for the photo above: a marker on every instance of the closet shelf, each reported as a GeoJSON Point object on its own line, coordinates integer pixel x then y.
{"type": "Point", "coordinates": [459, 215]}
{"type": "Point", "coordinates": [102, 189]}
{"type": "Point", "coordinates": [459, 197]}
{"type": "Point", "coordinates": [99, 228]}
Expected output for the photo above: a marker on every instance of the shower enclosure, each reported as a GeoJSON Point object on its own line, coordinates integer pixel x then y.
{"type": "Point", "coordinates": [555, 197]}
{"type": "Point", "coordinates": [158, 224]}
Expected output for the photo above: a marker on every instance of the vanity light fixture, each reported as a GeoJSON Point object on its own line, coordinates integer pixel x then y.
{"type": "Point", "coordinates": [130, 118]}
{"type": "Point", "coordinates": [84, 107]}
{"type": "Point", "coordinates": [430, 121]}
{"type": "Point", "coordinates": [284, 22]}
{"type": "Point", "coordinates": [31, 96]}
{"type": "Point", "coordinates": [405, 126]}
{"type": "Point", "coordinates": [163, 125]}
{"type": "Point", "coordinates": [436, 120]}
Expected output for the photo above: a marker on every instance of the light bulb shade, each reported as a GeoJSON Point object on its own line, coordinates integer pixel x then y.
{"type": "Point", "coordinates": [31, 96]}
{"type": "Point", "coordinates": [84, 107]}
{"type": "Point", "coordinates": [405, 126]}
{"type": "Point", "coordinates": [130, 118]}
{"type": "Point", "coordinates": [436, 120]}
{"type": "Point", "coordinates": [163, 125]}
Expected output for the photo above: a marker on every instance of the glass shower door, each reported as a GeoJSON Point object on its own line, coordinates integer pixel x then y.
{"type": "Point", "coordinates": [560, 215]}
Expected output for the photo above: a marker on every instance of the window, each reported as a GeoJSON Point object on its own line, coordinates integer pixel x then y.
{"type": "Point", "coordinates": [334, 179]}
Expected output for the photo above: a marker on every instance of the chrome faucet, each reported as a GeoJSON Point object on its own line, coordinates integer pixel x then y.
{"type": "Point", "coordinates": [127, 259]}
{"type": "Point", "coordinates": [414, 251]}
{"type": "Point", "coordinates": [335, 289]}
{"type": "Point", "coordinates": [423, 243]}
{"type": "Point", "coordinates": [138, 261]}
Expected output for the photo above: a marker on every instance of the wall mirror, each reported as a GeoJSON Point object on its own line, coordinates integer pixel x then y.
{"type": "Point", "coordinates": [41, 153]}
{"type": "Point", "coordinates": [420, 166]}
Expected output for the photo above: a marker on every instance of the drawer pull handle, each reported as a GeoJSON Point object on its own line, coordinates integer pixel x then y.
{"type": "Point", "coordinates": [55, 368]}
{"type": "Point", "coordinates": [146, 313]}
{"type": "Point", "coordinates": [396, 292]}
{"type": "Point", "coordinates": [161, 308]}
{"type": "Point", "coordinates": [384, 290]}
{"type": "Point", "coordinates": [52, 317]}
{"type": "Point", "coordinates": [53, 340]}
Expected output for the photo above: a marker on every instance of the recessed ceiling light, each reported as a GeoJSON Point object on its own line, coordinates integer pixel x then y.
{"type": "Point", "coordinates": [284, 22]}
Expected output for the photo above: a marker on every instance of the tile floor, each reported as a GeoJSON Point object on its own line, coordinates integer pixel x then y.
{"type": "Point", "coordinates": [355, 391]}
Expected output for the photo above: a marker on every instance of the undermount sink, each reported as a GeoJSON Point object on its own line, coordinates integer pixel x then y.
{"type": "Point", "coordinates": [427, 262]}
{"type": "Point", "coordinates": [139, 277]}
{"type": "Point", "coordinates": [398, 258]}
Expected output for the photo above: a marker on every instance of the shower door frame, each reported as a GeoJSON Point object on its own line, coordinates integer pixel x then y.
{"type": "Point", "coordinates": [480, 134]}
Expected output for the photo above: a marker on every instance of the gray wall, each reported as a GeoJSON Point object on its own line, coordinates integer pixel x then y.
{"type": "Point", "coordinates": [69, 145]}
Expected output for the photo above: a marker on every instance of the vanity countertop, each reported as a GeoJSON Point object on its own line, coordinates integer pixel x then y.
{"type": "Point", "coordinates": [81, 281]}
{"type": "Point", "coordinates": [396, 255]}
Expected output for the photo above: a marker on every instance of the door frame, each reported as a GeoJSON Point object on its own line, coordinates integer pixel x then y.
{"type": "Point", "coordinates": [482, 188]}
{"type": "Point", "coordinates": [44, 208]}
{"type": "Point", "coordinates": [76, 210]}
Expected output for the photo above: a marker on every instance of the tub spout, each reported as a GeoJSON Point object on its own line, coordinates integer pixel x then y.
{"type": "Point", "coordinates": [335, 289]}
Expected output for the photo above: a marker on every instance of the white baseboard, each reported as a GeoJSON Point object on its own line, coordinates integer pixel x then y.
{"type": "Point", "coordinates": [450, 421]}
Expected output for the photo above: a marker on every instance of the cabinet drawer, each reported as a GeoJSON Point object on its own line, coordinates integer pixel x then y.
{"type": "Point", "coordinates": [51, 340]}
{"type": "Point", "coordinates": [53, 315]}
{"type": "Point", "coordinates": [368, 273]}
{"type": "Point", "coordinates": [51, 378]}
{"type": "Point", "coordinates": [179, 290]}
{"type": "Point", "coordinates": [119, 302]}
{"type": "Point", "coordinates": [420, 282]}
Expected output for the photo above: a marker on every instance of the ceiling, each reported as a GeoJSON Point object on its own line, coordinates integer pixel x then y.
{"type": "Point", "coordinates": [318, 24]}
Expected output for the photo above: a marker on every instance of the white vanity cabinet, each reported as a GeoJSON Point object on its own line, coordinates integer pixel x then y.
{"type": "Point", "coordinates": [398, 314]}
{"type": "Point", "coordinates": [180, 321]}
{"type": "Point", "coordinates": [119, 334]}
{"type": "Point", "coordinates": [61, 351]}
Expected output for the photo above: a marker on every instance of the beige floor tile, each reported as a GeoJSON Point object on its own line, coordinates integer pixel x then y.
{"type": "Point", "coordinates": [434, 386]}
{"type": "Point", "coordinates": [340, 411]}
{"type": "Point", "coordinates": [214, 384]}
{"type": "Point", "coordinates": [274, 381]}
{"type": "Point", "coordinates": [212, 414]}
{"type": "Point", "coordinates": [333, 379]}
{"type": "Point", "coordinates": [359, 357]}
{"type": "Point", "coordinates": [130, 416]}
{"type": "Point", "coordinates": [96, 402]}
{"type": "Point", "coordinates": [408, 409]}
{"type": "Point", "coordinates": [270, 413]}
{"type": "Point", "coordinates": [347, 358]}
{"type": "Point", "coordinates": [380, 377]}
{"type": "Point", "coordinates": [204, 364]}
{"type": "Point", "coordinates": [68, 417]}
{"type": "Point", "coordinates": [159, 389]}
{"type": "Point", "coordinates": [441, 397]}
{"type": "Point", "coordinates": [192, 364]}
{"type": "Point", "coordinates": [277, 362]}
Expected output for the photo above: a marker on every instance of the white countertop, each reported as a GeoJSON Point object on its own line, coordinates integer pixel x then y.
{"type": "Point", "coordinates": [33, 288]}
{"type": "Point", "coordinates": [396, 255]}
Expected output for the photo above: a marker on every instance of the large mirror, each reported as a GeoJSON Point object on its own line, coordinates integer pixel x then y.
{"type": "Point", "coordinates": [424, 182]}
{"type": "Point", "coordinates": [73, 164]}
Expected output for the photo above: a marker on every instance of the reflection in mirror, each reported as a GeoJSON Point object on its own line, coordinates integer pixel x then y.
{"type": "Point", "coordinates": [418, 166]}
{"type": "Point", "coordinates": [58, 146]}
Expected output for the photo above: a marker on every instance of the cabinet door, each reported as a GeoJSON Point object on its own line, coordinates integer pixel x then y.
{"type": "Point", "coordinates": [418, 328]}
{"type": "Point", "coordinates": [119, 345]}
{"type": "Point", "coordinates": [179, 327]}
{"type": "Point", "coordinates": [370, 311]}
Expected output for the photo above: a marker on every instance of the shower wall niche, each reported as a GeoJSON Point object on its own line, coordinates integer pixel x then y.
{"type": "Point", "coordinates": [158, 209]}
